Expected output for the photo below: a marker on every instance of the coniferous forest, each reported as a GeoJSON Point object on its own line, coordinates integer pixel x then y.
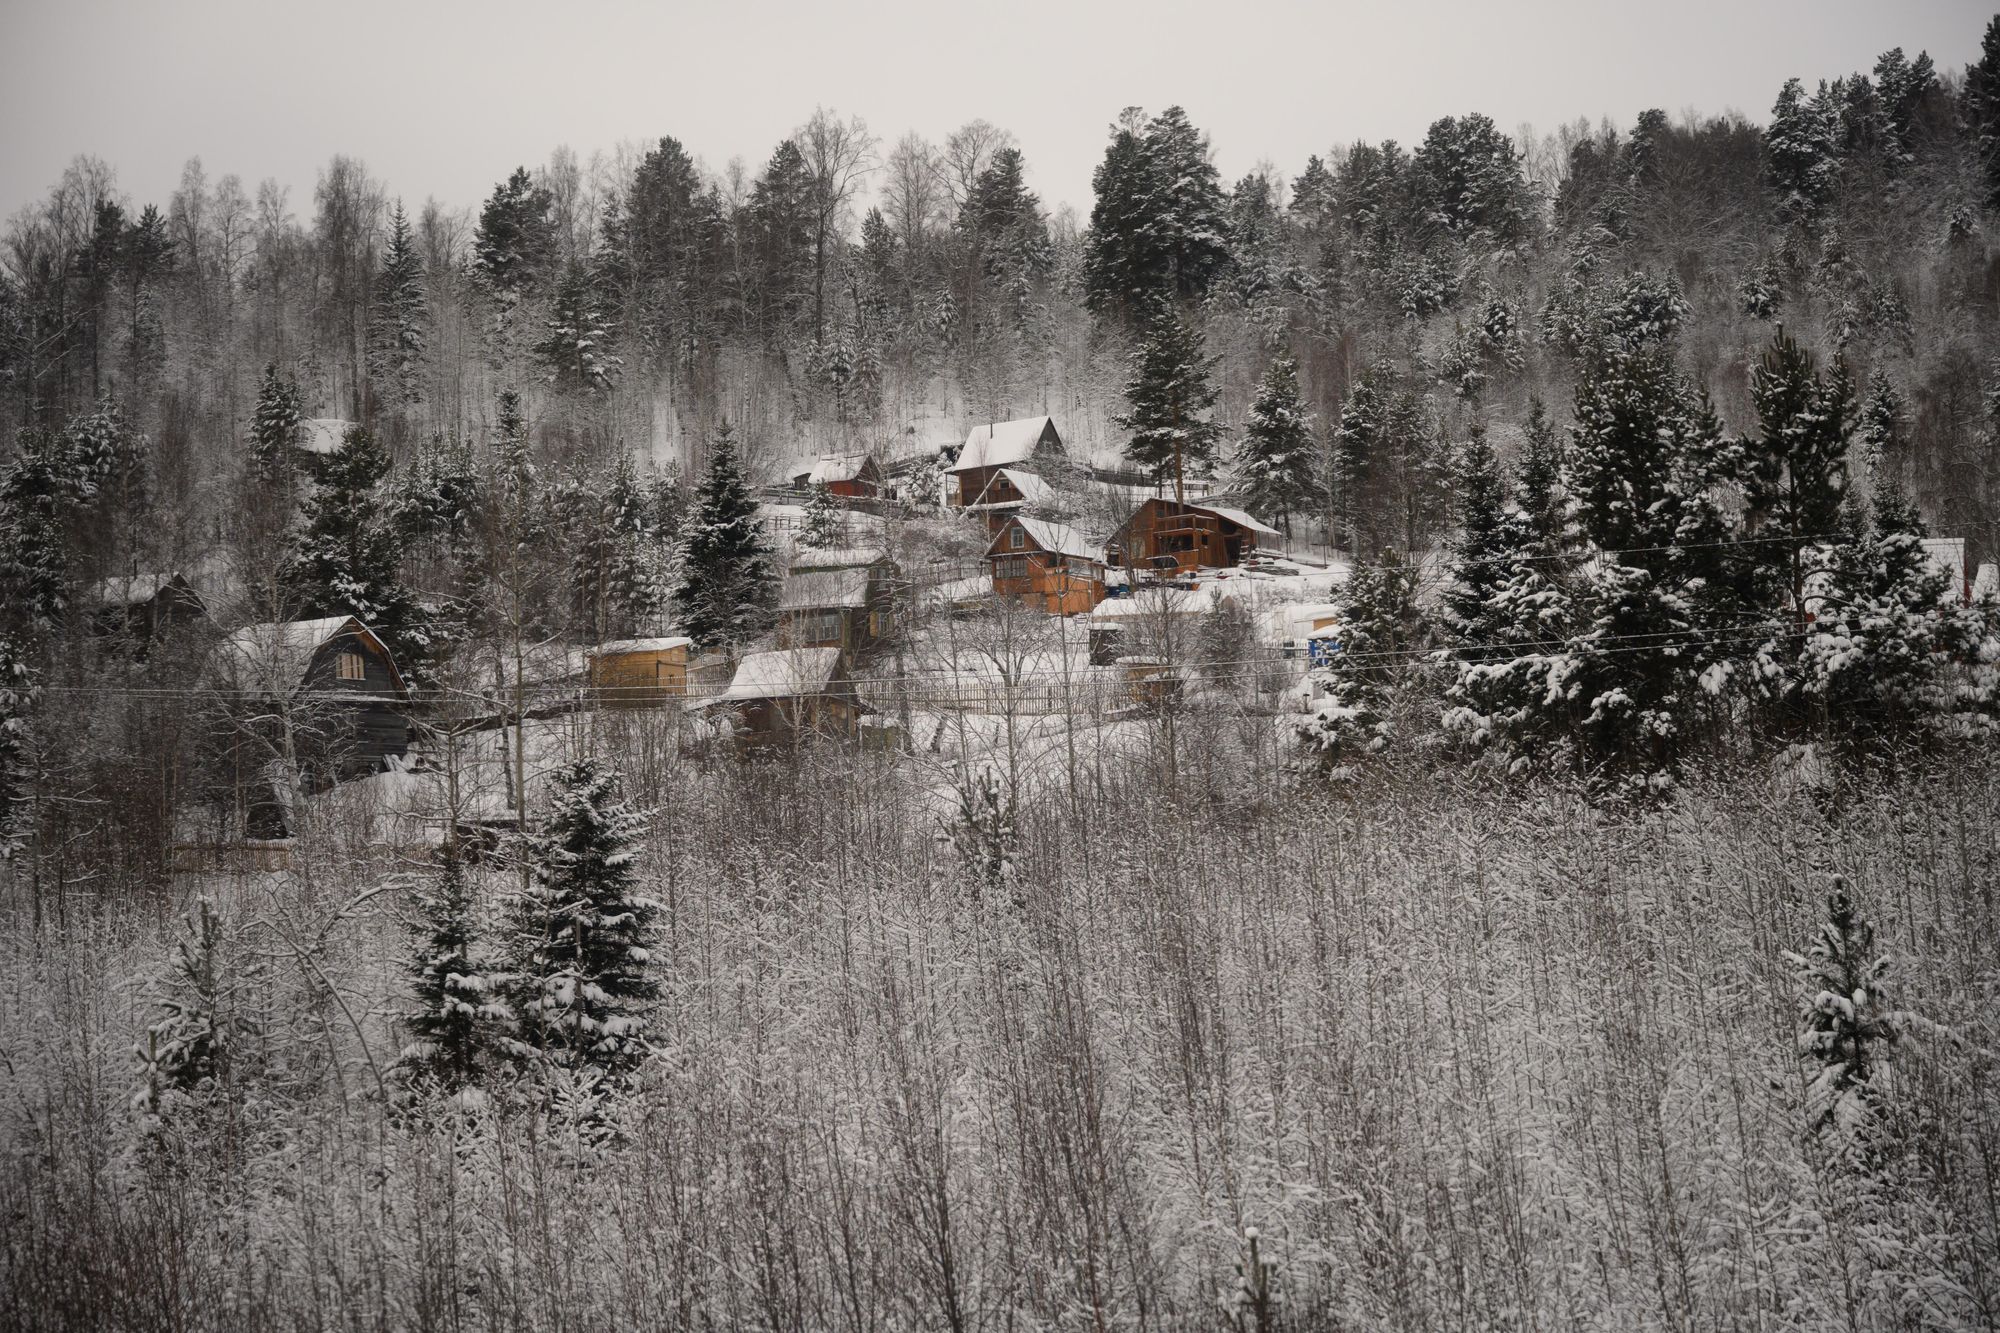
{"type": "Point", "coordinates": [624, 754]}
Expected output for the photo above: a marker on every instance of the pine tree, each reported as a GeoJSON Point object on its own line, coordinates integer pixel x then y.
{"type": "Point", "coordinates": [728, 582]}
{"type": "Point", "coordinates": [274, 430]}
{"type": "Point", "coordinates": [1801, 151]}
{"type": "Point", "coordinates": [515, 241]}
{"type": "Point", "coordinates": [1160, 226]}
{"type": "Point", "coordinates": [398, 333]}
{"type": "Point", "coordinates": [1170, 397]}
{"type": "Point", "coordinates": [581, 978]}
{"type": "Point", "coordinates": [822, 519]}
{"type": "Point", "coordinates": [452, 1014]}
{"type": "Point", "coordinates": [1277, 465]}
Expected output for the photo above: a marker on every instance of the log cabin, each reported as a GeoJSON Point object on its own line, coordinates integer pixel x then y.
{"type": "Point", "coordinates": [1048, 565]}
{"type": "Point", "coordinates": [637, 673]}
{"type": "Point", "coordinates": [1030, 445]}
{"type": "Point", "coordinates": [1178, 537]}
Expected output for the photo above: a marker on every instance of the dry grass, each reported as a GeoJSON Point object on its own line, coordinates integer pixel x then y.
{"type": "Point", "coordinates": [1466, 1059]}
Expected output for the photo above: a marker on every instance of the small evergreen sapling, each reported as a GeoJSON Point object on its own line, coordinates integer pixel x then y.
{"type": "Point", "coordinates": [822, 528]}
{"type": "Point", "coordinates": [194, 1045]}
{"type": "Point", "coordinates": [1847, 1031]}
{"type": "Point", "coordinates": [580, 976]}
{"type": "Point", "coordinates": [982, 833]}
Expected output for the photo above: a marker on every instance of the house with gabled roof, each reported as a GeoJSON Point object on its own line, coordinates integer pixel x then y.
{"type": "Point", "coordinates": [1030, 445]}
{"type": "Point", "coordinates": [1046, 564]}
{"type": "Point", "coordinates": [848, 476]}
{"type": "Point", "coordinates": [1176, 536]}
{"type": "Point", "coordinates": [142, 607]}
{"type": "Point", "coordinates": [787, 696]}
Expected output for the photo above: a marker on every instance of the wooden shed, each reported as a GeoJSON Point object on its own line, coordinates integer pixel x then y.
{"type": "Point", "coordinates": [787, 696]}
{"type": "Point", "coordinates": [1031, 445]}
{"type": "Point", "coordinates": [847, 476]}
{"type": "Point", "coordinates": [1049, 565]}
{"type": "Point", "coordinates": [637, 673]}
{"type": "Point", "coordinates": [144, 607]}
{"type": "Point", "coordinates": [1178, 536]}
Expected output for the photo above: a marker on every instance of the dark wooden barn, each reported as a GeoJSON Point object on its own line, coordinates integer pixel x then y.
{"type": "Point", "coordinates": [1178, 537]}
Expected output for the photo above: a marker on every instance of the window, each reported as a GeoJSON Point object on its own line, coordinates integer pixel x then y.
{"type": "Point", "coordinates": [351, 666]}
{"type": "Point", "coordinates": [1016, 539]}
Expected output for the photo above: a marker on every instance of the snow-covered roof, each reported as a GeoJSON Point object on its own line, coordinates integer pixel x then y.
{"type": "Point", "coordinates": [135, 589]}
{"type": "Point", "coordinates": [1947, 556]}
{"type": "Point", "coordinates": [1055, 538]}
{"type": "Point", "coordinates": [323, 435]}
{"type": "Point", "coordinates": [837, 557]}
{"type": "Point", "coordinates": [1241, 518]}
{"type": "Point", "coordinates": [782, 674]}
{"type": "Point", "coordinates": [655, 645]}
{"type": "Point", "coordinates": [1157, 601]}
{"type": "Point", "coordinates": [272, 658]}
{"type": "Point", "coordinates": [1032, 488]}
{"type": "Point", "coordinates": [829, 468]}
{"type": "Point", "coordinates": [1986, 583]}
{"type": "Point", "coordinates": [818, 589]}
{"type": "Point", "coordinates": [1001, 444]}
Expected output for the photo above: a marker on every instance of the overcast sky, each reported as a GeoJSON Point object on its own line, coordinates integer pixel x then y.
{"type": "Point", "coordinates": [444, 99]}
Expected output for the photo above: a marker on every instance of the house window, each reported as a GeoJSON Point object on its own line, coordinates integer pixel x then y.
{"type": "Point", "coordinates": [1016, 539]}
{"type": "Point", "coordinates": [351, 666]}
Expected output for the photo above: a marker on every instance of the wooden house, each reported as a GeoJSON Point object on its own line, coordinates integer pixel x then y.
{"type": "Point", "coordinates": [846, 609]}
{"type": "Point", "coordinates": [637, 673]}
{"type": "Point", "coordinates": [1180, 536]}
{"type": "Point", "coordinates": [1049, 565]}
{"type": "Point", "coordinates": [1030, 445]}
{"type": "Point", "coordinates": [144, 607]}
{"type": "Point", "coordinates": [787, 696]}
{"type": "Point", "coordinates": [322, 694]}
{"type": "Point", "coordinates": [847, 476]}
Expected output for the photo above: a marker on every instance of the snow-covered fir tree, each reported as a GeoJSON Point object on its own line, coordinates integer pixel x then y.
{"type": "Point", "coordinates": [399, 325]}
{"type": "Point", "coordinates": [1847, 1027]}
{"type": "Point", "coordinates": [205, 1022]}
{"type": "Point", "coordinates": [274, 429]}
{"type": "Point", "coordinates": [576, 349]}
{"type": "Point", "coordinates": [347, 559]}
{"type": "Point", "coordinates": [580, 975]}
{"type": "Point", "coordinates": [982, 833]}
{"type": "Point", "coordinates": [729, 583]}
{"type": "Point", "coordinates": [19, 693]}
{"type": "Point", "coordinates": [1169, 400]}
{"type": "Point", "coordinates": [823, 519]}
{"type": "Point", "coordinates": [1277, 463]}
{"type": "Point", "coordinates": [453, 1015]}
{"type": "Point", "coordinates": [1358, 677]}
{"type": "Point", "coordinates": [1797, 474]}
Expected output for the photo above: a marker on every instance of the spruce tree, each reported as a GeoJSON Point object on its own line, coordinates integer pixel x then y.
{"type": "Point", "coordinates": [822, 519]}
{"type": "Point", "coordinates": [1478, 552]}
{"type": "Point", "coordinates": [398, 333]}
{"type": "Point", "coordinates": [581, 978]}
{"type": "Point", "coordinates": [347, 559]}
{"type": "Point", "coordinates": [728, 581]}
{"type": "Point", "coordinates": [1982, 108]}
{"type": "Point", "coordinates": [206, 1027]}
{"type": "Point", "coordinates": [274, 430]}
{"type": "Point", "coordinates": [452, 1014]}
{"type": "Point", "coordinates": [1798, 465]}
{"type": "Point", "coordinates": [1847, 1029]}
{"type": "Point", "coordinates": [1277, 464]}
{"type": "Point", "coordinates": [1538, 486]}
{"type": "Point", "coordinates": [1381, 632]}
{"type": "Point", "coordinates": [575, 350]}
{"type": "Point", "coordinates": [19, 694]}
{"type": "Point", "coordinates": [1160, 226]}
{"type": "Point", "coordinates": [1170, 398]}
